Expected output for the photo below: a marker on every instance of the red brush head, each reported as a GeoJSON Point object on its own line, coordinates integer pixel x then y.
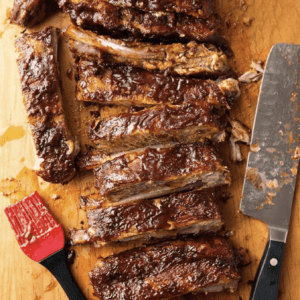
{"type": "Point", "coordinates": [38, 234]}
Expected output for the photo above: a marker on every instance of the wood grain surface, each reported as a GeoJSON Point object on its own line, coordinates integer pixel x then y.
{"type": "Point", "coordinates": [251, 27]}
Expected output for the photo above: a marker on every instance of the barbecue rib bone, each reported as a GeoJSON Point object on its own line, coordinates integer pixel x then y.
{"type": "Point", "coordinates": [179, 59]}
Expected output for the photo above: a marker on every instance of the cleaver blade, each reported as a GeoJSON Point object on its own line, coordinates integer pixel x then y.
{"type": "Point", "coordinates": [271, 171]}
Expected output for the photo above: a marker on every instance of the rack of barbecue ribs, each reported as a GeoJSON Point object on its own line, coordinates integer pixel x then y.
{"type": "Point", "coordinates": [28, 13]}
{"type": "Point", "coordinates": [176, 58]}
{"type": "Point", "coordinates": [157, 175]}
{"type": "Point", "coordinates": [40, 82]}
{"type": "Point", "coordinates": [169, 269]}
{"type": "Point", "coordinates": [154, 172]}
{"type": "Point", "coordinates": [197, 8]}
{"type": "Point", "coordinates": [126, 85]}
{"type": "Point", "coordinates": [161, 218]}
{"type": "Point", "coordinates": [101, 16]}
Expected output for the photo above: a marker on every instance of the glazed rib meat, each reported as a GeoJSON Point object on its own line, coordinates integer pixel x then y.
{"type": "Point", "coordinates": [152, 220]}
{"type": "Point", "coordinates": [39, 73]}
{"type": "Point", "coordinates": [27, 13]}
{"type": "Point", "coordinates": [168, 270]}
{"type": "Point", "coordinates": [180, 59]}
{"type": "Point", "coordinates": [154, 172]}
{"type": "Point", "coordinates": [199, 8]}
{"type": "Point", "coordinates": [186, 123]}
{"type": "Point", "coordinates": [126, 85]}
{"type": "Point", "coordinates": [103, 16]}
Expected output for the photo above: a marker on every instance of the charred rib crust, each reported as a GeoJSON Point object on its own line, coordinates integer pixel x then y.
{"type": "Point", "coordinates": [99, 15]}
{"type": "Point", "coordinates": [199, 8]}
{"type": "Point", "coordinates": [126, 85]}
{"type": "Point", "coordinates": [42, 98]}
{"type": "Point", "coordinates": [167, 270]}
{"type": "Point", "coordinates": [156, 218]}
{"type": "Point", "coordinates": [27, 13]}
{"type": "Point", "coordinates": [155, 172]}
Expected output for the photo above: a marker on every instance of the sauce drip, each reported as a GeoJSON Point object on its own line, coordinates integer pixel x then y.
{"type": "Point", "coordinates": [12, 133]}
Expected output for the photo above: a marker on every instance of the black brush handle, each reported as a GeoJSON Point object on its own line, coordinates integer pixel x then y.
{"type": "Point", "coordinates": [57, 265]}
{"type": "Point", "coordinates": [267, 277]}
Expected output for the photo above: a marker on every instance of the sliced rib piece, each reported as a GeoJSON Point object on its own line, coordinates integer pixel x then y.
{"type": "Point", "coordinates": [186, 123]}
{"type": "Point", "coordinates": [168, 270]}
{"type": "Point", "coordinates": [39, 73]}
{"type": "Point", "coordinates": [152, 220]}
{"type": "Point", "coordinates": [126, 85]}
{"type": "Point", "coordinates": [93, 158]}
{"type": "Point", "coordinates": [180, 59]}
{"type": "Point", "coordinates": [197, 8]}
{"type": "Point", "coordinates": [154, 172]}
{"type": "Point", "coordinates": [99, 15]}
{"type": "Point", "coordinates": [27, 13]}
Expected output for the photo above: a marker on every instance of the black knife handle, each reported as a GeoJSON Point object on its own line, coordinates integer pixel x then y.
{"type": "Point", "coordinates": [267, 277]}
{"type": "Point", "coordinates": [57, 265]}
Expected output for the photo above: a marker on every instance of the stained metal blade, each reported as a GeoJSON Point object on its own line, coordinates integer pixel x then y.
{"type": "Point", "coordinates": [273, 160]}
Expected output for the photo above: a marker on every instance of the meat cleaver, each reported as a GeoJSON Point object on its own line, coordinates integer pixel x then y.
{"type": "Point", "coordinates": [273, 160]}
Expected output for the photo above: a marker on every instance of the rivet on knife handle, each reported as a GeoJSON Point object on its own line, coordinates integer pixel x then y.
{"type": "Point", "coordinates": [268, 274]}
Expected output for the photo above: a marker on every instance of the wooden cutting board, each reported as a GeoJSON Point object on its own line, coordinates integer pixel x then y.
{"type": "Point", "coordinates": [252, 27]}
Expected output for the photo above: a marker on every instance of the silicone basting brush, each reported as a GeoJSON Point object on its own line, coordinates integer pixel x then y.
{"type": "Point", "coordinates": [42, 239]}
